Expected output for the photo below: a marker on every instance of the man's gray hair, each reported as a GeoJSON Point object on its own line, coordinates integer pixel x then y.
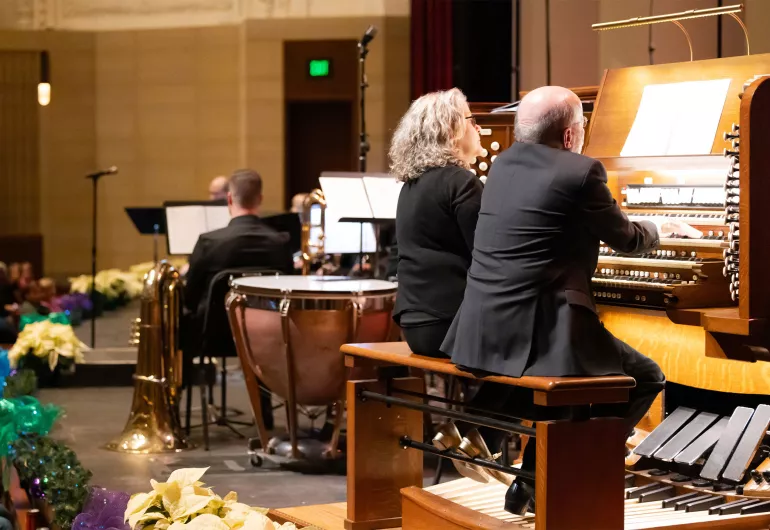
{"type": "Point", "coordinates": [549, 127]}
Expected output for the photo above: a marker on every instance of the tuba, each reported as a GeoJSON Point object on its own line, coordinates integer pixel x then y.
{"type": "Point", "coordinates": [312, 229]}
{"type": "Point", "coordinates": [154, 425]}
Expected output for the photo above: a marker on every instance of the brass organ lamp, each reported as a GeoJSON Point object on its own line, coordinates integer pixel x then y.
{"type": "Point", "coordinates": [675, 19]}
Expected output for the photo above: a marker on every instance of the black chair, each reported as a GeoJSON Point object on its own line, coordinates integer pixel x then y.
{"type": "Point", "coordinates": [216, 341]}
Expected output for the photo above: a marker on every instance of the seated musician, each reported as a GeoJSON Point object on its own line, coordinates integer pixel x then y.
{"type": "Point", "coordinates": [431, 152]}
{"type": "Point", "coordinates": [245, 242]}
{"type": "Point", "coordinates": [218, 188]}
{"type": "Point", "coordinates": [527, 309]}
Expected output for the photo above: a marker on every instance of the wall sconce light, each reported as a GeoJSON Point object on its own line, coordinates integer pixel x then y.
{"type": "Point", "coordinates": [44, 86]}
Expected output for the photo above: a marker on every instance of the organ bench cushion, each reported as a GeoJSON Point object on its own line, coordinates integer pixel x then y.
{"type": "Point", "coordinates": [548, 391]}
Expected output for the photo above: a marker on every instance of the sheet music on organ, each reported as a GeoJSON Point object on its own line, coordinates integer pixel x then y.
{"type": "Point", "coordinates": [185, 223]}
{"type": "Point", "coordinates": [677, 119]}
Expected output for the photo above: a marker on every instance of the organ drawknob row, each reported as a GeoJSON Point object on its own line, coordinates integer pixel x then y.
{"type": "Point", "coordinates": [732, 189]}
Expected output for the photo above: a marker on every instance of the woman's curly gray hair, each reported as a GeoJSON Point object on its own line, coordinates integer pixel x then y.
{"type": "Point", "coordinates": [427, 135]}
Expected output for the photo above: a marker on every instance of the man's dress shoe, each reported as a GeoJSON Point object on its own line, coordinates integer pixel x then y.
{"type": "Point", "coordinates": [520, 498]}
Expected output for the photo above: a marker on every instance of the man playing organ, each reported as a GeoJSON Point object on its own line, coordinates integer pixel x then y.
{"type": "Point", "coordinates": [527, 309]}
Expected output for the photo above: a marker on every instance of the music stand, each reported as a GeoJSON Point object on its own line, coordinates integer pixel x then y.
{"type": "Point", "coordinates": [149, 221]}
{"type": "Point", "coordinates": [364, 198]}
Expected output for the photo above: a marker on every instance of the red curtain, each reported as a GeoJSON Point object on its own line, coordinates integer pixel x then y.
{"type": "Point", "coordinates": [431, 31]}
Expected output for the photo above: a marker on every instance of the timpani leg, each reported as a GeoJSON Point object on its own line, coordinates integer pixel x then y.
{"type": "Point", "coordinates": [377, 465]}
{"type": "Point", "coordinates": [339, 411]}
{"type": "Point", "coordinates": [580, 475]}
{"type": "Point", "coordinates": [236, 306]}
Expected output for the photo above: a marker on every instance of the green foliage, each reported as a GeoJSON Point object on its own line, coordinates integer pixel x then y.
{"type": "Point", "coordinates": [51, 470]}
{"type": "Point", "coordinates": [22, 383]}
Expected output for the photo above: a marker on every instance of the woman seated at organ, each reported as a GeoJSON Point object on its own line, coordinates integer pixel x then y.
{"type": "Point", "coordinates": [431, 152]}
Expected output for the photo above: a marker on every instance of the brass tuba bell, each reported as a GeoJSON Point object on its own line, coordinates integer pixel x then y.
{"type": "Point", "coordinates": [153, 425]}
{"type": "Point", "coordinates": [312, 229]}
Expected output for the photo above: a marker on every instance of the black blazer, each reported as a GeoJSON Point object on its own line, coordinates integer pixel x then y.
{"type": "Point", "coordinates": [528, 307]}
{"type": "Point", "coordinates": [435, 220]}
{"type": "Point", "coordinates": [245, 242]}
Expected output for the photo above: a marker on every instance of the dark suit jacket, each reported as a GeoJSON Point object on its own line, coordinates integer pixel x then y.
{"type": "Point", "coordinates": [528, 307]}
{"type": "Point", "coordinates": [245, 242]}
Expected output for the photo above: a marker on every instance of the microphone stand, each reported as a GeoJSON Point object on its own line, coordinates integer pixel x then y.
{"type": "Point", "coordinates": [363, 145]}
{"type": "Point", "coordinates": [95, 179]}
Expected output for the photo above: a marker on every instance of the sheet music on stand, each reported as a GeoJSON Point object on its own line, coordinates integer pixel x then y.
{"type": "Point", "coordinates": [368, 199]}
{"type": "Point", "coordinates": [187, 220]}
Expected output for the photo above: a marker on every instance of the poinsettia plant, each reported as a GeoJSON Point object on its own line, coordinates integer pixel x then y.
{"type": "Point", "coordinates": [56, 343]}
{"type": "Point", "coordinates": [183, 503]}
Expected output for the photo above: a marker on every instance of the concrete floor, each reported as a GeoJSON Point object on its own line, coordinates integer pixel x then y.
{"type": "Point", "coordinates": [94, 416]}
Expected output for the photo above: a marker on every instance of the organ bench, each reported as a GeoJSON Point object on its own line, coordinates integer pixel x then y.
{"type": "Point", "coordinates": [580, 462]}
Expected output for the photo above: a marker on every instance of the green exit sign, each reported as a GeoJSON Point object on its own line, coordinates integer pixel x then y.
{"type": "Point", "coordinates": [319, 67]}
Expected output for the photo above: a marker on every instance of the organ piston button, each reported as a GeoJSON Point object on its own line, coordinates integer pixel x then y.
{"type": "Point", "coordinates": [483, 166]}
{"type": "Point", "coordinates": [473, 171]}
{"type": "Point", "coordinates": [484, 152]}
{"type": "Point", "coordinates": [493, 158]}
{"type": "Point", "coordinates": [495, 146]}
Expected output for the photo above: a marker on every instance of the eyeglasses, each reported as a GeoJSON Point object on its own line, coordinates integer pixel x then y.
{"type": "Point", "coordinates": [472, 118]}
{"type": "Point", "coordinates": [585, 121]}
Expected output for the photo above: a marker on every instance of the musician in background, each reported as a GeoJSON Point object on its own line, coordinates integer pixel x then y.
{"type": "Point", "coordinates": [431, 152]}
{"type": "Point", "coordinates": [528, 308]}
{"type": "Point", "coordinates": [245, 242]}
{"type": "Point", "coordinates": [218, 188]}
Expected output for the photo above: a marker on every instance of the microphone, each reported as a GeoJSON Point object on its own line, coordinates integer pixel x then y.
{"type": "Point", "coordinates": [371, 32]}
{"type": "Point", "coordinates": [109, 171]}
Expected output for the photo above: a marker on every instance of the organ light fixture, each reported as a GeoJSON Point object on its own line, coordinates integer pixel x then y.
{"type": "Point", "coordinates": [44, 86]}
{"type": "Point", "coordinates": [676, 17]}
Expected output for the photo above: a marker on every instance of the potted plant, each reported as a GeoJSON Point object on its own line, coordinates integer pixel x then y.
{"type": "Point", "coordinates": [49, 349]}
{"type": "Point", "coordinates": [183, 503]}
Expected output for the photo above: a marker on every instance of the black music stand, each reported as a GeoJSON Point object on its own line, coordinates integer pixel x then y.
{"type": "Point", "coordinates": [149, 221]}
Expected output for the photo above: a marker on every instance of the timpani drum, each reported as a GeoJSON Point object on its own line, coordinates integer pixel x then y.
{"type": "Point", "coordinates": [289, 330]}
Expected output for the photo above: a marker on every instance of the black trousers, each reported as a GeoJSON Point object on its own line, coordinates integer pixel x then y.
{"type": "Point", "coordinates": [426, 339]}
{"type": "Point", "coordinates": [650, 381]}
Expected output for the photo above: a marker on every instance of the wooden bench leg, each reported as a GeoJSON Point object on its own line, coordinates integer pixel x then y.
{"type": "Point", "coordinates": [580, 475]}
{"type": "Point", "coordinates": [377, 466]}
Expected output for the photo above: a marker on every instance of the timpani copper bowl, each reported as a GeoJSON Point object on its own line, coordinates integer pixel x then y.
{"type": "Point", "coordinates": [288, 331]}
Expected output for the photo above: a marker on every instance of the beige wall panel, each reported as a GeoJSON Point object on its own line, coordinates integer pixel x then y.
{"type": "Point", "coordinates": [19, 147]}
{"type": "Point", "coordinates": [758, 22]}
{"type": "Point", "coordinates": [68, 153]}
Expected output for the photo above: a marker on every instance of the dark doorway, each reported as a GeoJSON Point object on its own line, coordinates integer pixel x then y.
{"type": "Point", "coordinates": [319, 137]}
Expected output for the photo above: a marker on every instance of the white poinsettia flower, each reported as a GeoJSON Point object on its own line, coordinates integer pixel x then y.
{"type": "Point", "coordinates": [202, 522]}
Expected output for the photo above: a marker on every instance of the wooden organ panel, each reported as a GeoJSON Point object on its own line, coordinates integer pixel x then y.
{"type": "Point", "coordinates": [496, 135]}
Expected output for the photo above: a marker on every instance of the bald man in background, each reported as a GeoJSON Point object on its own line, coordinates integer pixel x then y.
{"type": "Point", "coordinates": [528, 308]}
{"type": "Point", "coordinates": [218, 188]}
